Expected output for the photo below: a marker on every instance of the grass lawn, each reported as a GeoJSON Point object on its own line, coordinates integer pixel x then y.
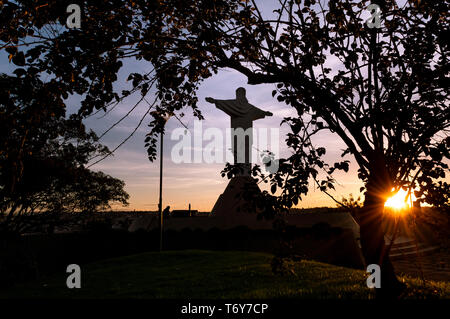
{"type": "Point", "coordinates": [212, 275]}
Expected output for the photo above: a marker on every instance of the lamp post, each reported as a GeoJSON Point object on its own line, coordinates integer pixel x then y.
{"type": "Point", "coordinates": [161, 226]}
{"type": "Point", "coordinates": [165, 117]}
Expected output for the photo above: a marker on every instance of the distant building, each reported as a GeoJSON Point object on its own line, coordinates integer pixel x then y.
{"type": "Point", "coordinates": [184, 213]}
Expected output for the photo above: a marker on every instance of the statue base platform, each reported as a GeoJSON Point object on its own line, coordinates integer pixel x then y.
{"type": "Point", "coordinates": [236, 200]}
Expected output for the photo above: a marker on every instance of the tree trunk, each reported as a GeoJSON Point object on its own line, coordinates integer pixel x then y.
{"type": "Point", "coordinates": [372, 233]}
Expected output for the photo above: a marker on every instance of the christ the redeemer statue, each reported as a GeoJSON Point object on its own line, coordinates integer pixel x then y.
{"type": "Point", "coordinates": [242, 116]}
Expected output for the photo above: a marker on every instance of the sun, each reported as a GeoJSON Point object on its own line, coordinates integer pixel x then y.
{"type": "Point", "coordinates": [398, 200]}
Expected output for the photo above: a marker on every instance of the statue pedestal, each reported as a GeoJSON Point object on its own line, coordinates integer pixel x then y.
{"type": "Point", "coordinates": [232, 201]}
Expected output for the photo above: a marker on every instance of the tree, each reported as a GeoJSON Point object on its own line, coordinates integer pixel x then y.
{"type": "Point", "coordinates": [383, 91]}
{"type": "Point", "coordinates": [43, 156]}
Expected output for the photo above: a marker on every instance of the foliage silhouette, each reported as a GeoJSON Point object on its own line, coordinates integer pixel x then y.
{"type": "Point", "coordinates": [383, 92]}
{"type": "Point", "coordinates": [43, 157]}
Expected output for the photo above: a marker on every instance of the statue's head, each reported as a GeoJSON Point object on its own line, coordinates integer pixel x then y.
{"type": "Point", "coordinates": [240, 94]}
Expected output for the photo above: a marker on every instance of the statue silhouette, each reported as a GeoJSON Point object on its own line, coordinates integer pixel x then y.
{"type": "Point", "coordinates": [242, 116]}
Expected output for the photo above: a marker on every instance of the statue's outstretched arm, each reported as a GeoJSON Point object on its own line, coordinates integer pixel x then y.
{"type": "Point", "coordinates": [258, 113]}
{"type": "Point", "coordinates": [231, 107]}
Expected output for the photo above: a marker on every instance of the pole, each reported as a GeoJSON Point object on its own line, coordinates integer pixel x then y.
{"type": "Point", "coordinates": [160, 192]}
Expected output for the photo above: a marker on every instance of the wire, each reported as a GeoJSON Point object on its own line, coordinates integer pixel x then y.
{"type": "Point", "coordinates": [122, 118]}
{"type": "Point", "coordinates": [129, 136]}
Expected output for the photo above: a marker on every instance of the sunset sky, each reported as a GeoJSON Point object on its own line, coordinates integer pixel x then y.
{"type": "Point", "coordinates": [197, 183]}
